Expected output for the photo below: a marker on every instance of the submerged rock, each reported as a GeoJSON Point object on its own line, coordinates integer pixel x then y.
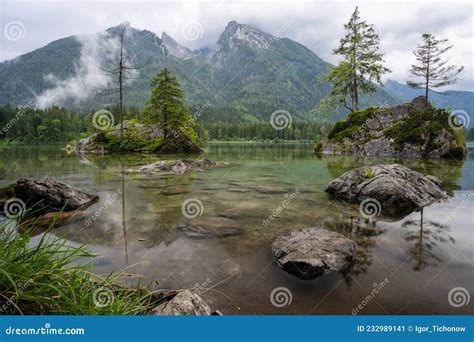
{"type": "Point", "coordinates": [211, 227]}
{"type": "Point", "coordinates": [183, 303]}
{"type": "Point", "coordinates": [396, 188]}
{"type": "Point", "coordinates": [312, 252]}
{"type": "Point", "coordinates": [241, 190]}
{"type": "Point", "coordinates": [56, 219]}
{"type": "Point", "coordinates": [175, 190]}
{"type": "Point", "coordinates": [178, 166]}
{"type": "Point", "coordinates": [270, 190]}
{"type": "Point", "coordinates": [407, 130]}
{"type": "Point", "coordinates": [51, 195]}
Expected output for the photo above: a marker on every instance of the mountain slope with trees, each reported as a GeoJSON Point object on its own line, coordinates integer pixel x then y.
{"type": "Point", "coordinates": [249, 72]}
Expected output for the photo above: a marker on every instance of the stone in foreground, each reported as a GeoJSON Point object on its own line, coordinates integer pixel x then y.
{"type": "Point", "coordinates": [178, 166]}
{"type": "Point", "coordinates": [42, 196]}
{"type": "Point", "coordinates": [184, 303]}
{"type": "Point", "coordinates": [211, 227]}
{"type": "Point", "coordinates": [397, 188]}
{"type": "Point", "coordinates": [312, 252]}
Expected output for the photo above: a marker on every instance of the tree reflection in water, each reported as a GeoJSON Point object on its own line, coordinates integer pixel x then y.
{"type": "Point", "coordinates": [364, 232]}
{"type": "Point", "coordinates": [424, 237]}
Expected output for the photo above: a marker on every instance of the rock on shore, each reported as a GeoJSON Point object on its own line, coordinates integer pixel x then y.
{"type": "Point", "coordinates": [183, 303]}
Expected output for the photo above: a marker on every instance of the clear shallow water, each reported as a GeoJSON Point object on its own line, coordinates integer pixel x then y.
{"type": "Point", "coordinates": [136, 229]}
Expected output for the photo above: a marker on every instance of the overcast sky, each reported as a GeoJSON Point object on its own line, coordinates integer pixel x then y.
{"type": "Point", "coordinates": [28, 25]}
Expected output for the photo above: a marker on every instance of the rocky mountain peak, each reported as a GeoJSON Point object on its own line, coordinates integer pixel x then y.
{"type": "Point", "coordinates": [236, 33]}
{"type": "Point", "coordinates": [175, 49]}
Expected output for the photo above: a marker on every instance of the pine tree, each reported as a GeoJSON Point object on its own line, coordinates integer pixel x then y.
{"type": "Point", "coordinates": [166, 108]}
{"type": "Point", "coordinates": [361, 65]}
{"type": "Point", "coordinates": [431, 67]}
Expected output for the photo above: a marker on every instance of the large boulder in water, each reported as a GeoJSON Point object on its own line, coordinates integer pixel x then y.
{"type": "Point", "coordinates": [50, 195]}
{"type": "Point", "coordinates": [395, 188]}
{"type": "Point", "coordinates": [183, 303]}
{"type": "Point", "coordinates": [312, 252]}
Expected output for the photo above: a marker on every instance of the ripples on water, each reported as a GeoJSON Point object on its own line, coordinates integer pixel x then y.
{"type": "Point", "coordinates": [421, 256]}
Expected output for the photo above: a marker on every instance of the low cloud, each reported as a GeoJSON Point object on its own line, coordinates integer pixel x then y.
{"type": "Point", "coordinates": [90, 75]}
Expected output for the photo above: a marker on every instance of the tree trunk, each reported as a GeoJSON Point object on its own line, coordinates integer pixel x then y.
{"type": "Point", "coordinates": [427, 75]}
{"type": "Point", "coordinates": [121, 87]}
{"type": "Point", "coordinates": [355, 96]}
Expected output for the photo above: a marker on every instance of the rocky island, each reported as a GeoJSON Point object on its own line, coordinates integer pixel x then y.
{"type": "Point", "coordinates": [410, 130]}
{"type": "Point", "coordinates": [137, 137]}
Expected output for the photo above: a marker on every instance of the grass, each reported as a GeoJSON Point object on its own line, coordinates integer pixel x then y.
{"type": "Point", "coordinates": [51, 278]}
{"type": "Point", "coordinates": [369, 173]}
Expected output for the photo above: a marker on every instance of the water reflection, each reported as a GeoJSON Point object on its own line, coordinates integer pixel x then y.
{"type": "Point", "coordinates": [138, 228]}
{"type": "Point", "coordinates": [424, 237]}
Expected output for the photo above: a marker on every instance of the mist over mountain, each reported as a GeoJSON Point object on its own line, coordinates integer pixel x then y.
{"type": "Point", "coordinates": [249, 73]}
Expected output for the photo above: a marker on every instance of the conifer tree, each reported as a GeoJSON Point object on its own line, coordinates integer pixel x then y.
{"type": "Point", "coordinates": [361, 64]}
{"type": "Point", "coordinates": [431, 69]}
{"type": "Point", "coordinates": [167, 109]}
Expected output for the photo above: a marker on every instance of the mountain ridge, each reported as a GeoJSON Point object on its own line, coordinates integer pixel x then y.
{"type": "Point", "coordinates": [248, 71]}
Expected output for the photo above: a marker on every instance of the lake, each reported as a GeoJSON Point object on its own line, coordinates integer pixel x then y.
{"type": "Point", "coordinates": [134, 227]}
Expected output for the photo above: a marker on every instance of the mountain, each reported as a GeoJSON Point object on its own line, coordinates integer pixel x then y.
{"type": "Point", "coordinates": [175, 49]}
{"type": "Point", "coordinates": [246, 76]}
{"type": "Point", "coordinates": [450, 99]}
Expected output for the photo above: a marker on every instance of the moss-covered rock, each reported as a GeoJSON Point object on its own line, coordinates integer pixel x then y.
{"type": "Point", "coordinates": [407, 130]}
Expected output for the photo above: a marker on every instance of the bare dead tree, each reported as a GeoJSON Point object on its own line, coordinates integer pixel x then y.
{"type": "Point", "coordinates": [122, 72]}
{"type": "Point", "coordinates": [432, 68]}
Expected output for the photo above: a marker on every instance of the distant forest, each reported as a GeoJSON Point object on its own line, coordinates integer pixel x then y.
{"type": "Point", "coordinates": [61, 125]}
